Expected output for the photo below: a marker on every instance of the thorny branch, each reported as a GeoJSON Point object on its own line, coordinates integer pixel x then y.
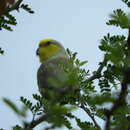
{"type": "Point", "coordinates": [121, 99]}
{"type": "Point", "coordinates": [91, 116]}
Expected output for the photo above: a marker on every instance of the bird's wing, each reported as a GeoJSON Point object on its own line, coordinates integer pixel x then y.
{"type": "Point", "coordinates": [52, 70]}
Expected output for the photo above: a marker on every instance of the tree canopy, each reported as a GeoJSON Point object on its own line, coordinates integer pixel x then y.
{"type": "Point", "coordinates": [112, 76]}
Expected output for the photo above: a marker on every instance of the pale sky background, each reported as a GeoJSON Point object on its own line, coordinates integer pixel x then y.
{"type": "Point", "coordinates": [77, 24]}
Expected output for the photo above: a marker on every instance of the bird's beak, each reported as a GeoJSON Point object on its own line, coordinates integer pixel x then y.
{"type": "Point", "coordinates": [37, 52]}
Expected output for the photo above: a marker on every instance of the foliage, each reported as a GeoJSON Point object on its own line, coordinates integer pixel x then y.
{"type": "Point", "coordinates": [7, 20]}
{"type": "Point", "coordinates": [119, 18]}
{"type": "Point", "coordinates": [126, 2]}
{"type": "Point", "coordinates": [1, 51]}
{"type": "Point", "coordinates": [109, 102]}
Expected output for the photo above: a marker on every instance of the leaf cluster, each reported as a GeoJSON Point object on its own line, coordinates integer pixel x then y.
{"type": "Point", "coordinates": [7, 19]}
{"type": "Point", "coordinates": [119, 18]}
{"type": "Point", "coordinates": [127, 2]}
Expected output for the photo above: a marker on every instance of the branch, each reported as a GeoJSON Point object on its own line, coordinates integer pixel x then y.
{"type": "Point", "coordinates": [36, 122]}
{"type": "Point", "coordinates": [91, 116]}
{"type": "Point", "coordinates": [15, 6]}
{"type": "Point", "coordinates": [97, 75]}
{"type": "Point", "coordinates": [39, 120]}
{"type": "Point", "coordinates": [124, 85]}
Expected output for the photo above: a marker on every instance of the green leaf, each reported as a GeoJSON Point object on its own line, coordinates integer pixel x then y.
{"type": "Point", "coordinates": [101, 113]}
{"type": "Point", "coordinates": [11, 19]}
{"type": "Point", "coordinates": [5, 26]}
{"type": "Point", "coordinates": [119, 18]}
{"type": "Point", "coordinates": [83, 63]}
{"type": "Point", "coordinates": [1, 51]}
{"type": "Point", "coordinates": [11, 105]}
{"type": "Point", "coordinates": [126, 2]}
{"type": "Point", "coordinates": [17, 127]}
{"type": "Point", "coordinates": [85, 125]}
{"type": "Point", "coordinates": [100, 99]}
{"type": "Point", "coordinates": [27, 103]}
{"type": "Point", "coordinates": [25, 7]}
{"type": "Point", "coordinates": [112, 45]}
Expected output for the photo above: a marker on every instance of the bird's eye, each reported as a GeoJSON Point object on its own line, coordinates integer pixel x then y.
{"type": "Point", "coordinates": [48, 43]}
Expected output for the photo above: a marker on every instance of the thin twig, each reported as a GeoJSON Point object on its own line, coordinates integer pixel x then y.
{"type": "Point", "coordinates": [34, 123]}
{"type": "Point", "coordinates": [97, 75]}
{"type": "Point", "coordinates": [91, 116]}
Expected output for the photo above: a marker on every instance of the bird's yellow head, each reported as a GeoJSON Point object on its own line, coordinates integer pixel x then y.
{"type": "Point", "coordinates": [47, 48]}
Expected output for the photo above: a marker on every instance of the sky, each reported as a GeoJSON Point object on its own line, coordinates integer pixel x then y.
{"type": "Point", "coordinates": [78, 24]}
